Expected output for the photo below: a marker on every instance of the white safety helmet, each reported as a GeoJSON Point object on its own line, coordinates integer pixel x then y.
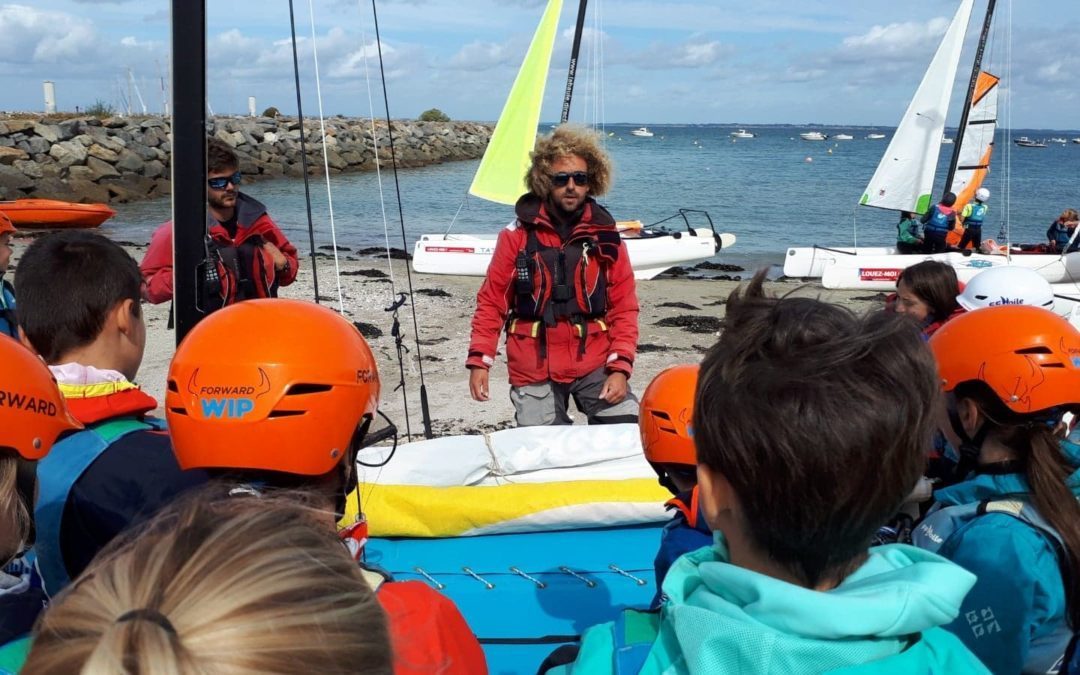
{"type": "Point", "coordinates": [982, 194]}
{"type": "Point", "coordinates": [1007, 285]}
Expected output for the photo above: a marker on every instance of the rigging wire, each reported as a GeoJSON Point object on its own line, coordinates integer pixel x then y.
{"type": "Point", "coordinates": [303, 154]}
{"type": "Point", "coordinates": [396, 300]}
{"type": "Point", "coordinates": [326, 159]}
{"type": "Point", "coordinates": [404, 238]}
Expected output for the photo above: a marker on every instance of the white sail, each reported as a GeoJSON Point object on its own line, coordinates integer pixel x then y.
{"type": "Point", "coordinates": [905, 177]}
{"type": "Point", "coordinates": [978, 141]}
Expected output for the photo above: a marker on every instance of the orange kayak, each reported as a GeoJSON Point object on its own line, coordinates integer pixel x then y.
{"type": "Point", "coordinates": [45, 213]}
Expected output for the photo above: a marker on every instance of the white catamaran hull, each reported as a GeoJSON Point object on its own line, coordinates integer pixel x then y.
{"type": "Point", "coordinates": [470, 254]}
{"type": "Point", "coordinates": [876, 268]}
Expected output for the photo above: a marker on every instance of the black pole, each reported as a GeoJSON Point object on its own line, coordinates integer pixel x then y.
{"type": "Point", "coordinates": [303, 154]}
{"type": "Point", "coordinates": [188, 159]}
{"type": "Point", "coordinates": [574, 51]}
{"type": "Point", "coordinates": [424, 408]}
{"type": "Point", "coordinates": [976, 68]}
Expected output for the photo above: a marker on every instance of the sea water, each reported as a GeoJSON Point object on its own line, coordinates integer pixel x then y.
{"type": "Point", "coordinates": [772, 192]}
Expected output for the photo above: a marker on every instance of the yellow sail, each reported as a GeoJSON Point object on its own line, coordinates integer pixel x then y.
{"type": "Point", "coordinates": [501, 176]}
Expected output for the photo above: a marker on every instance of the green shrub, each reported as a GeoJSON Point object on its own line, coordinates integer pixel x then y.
{"type": "Point", "coordinates": [434, 115]}
{"type": "Point", "coordinates": [271, 112]}
{"type": "Point", "coordinates": [100, 109]}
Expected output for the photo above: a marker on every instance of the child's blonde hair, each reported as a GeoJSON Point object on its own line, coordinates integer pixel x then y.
{"type": "Point", "coordinates": [218, 586]}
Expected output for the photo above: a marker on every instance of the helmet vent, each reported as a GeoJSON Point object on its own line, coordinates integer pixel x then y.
{"type": "Point", "coordinates": [661, 414]}
{"type": "Point", "coordinates": [178, 411]}
{"type": "Point", "coordinates": [173, 387]}
{"type": "Point", "coordinates": [1035, 350]}
{"type": "Point", "coordinates": [306, 388]}
{"type": "Point", "coordinates": [285, 413]}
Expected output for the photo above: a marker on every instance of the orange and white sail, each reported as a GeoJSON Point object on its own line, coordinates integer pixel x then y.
{"type": "Point", "coordinates": [977, 145]}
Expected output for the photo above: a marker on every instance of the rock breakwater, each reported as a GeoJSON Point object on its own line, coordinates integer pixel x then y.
{"type": "Point", "coordinates": [86, 159]}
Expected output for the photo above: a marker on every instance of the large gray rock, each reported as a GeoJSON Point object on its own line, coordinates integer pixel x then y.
{"type": "Point", "coordinates": [153, 123]}
{"type": "Point", "coordinates": [114, 122]}
{"type": "Point", "coordinates": [38, 145]}
{"type": "Point", "coordinates": [153, 169]}
{"type": "Point", "coordinates": [13, 179]}
{"type": "Point", "coordinates": [130, 162]}
{"type": "Point", "coordinates": [30, 168]}
{"type": "Point", "coordinates": [67, 153]}
{"type": "Point", "coordinates": [79, 172]}
{"type": "Point", "coordinates": [49, 132]}
{"type": "Point", "coordinates": [19, 126]}
{"type": "Point", "coordinates": [11, 155]}
{"type": "Point", "coordinates": [69, 129]}
{"type": "Point", "coordinates": [88, 192]}
{"type": "Point", "coordinates": [103, 153]}
{"type": "Point", "coordinates": [101, 169]}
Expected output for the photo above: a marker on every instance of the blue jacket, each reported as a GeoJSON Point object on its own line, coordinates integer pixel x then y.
{"type": "Point", "coordinates": [8, 325]}
{"type": "Point", "coordinates": [1014, 617]}
{"type": "Point", "coordinates": [939, 219]}
{"type": "Point", "coordinates": [720, 618]}
{"type": "Point", "coordinates": [687, 531]}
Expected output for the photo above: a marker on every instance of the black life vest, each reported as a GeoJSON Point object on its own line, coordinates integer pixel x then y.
{"type": "Point", "coordinates": [567, 282]}
{"type": "Point", "coordinates": [235, 273]}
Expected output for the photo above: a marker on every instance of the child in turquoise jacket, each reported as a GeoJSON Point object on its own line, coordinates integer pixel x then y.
{"type": "Point", "coordinates": [1010, 374]}
{"type": "Point", "coordinates": [795, 485]}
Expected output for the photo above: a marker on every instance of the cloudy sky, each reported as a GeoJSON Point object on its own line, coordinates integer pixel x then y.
{"type": "Point", "coordinates": [766, 61]}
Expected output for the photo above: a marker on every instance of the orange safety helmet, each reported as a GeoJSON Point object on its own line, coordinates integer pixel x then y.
{"type": "Point", "coordinates": [32, 411]}
{"type": "Point", "coordinates": [1028, 356]}
{"type": "Point", "coordinates": [270, 385]}
{"type": "Point", "coordinates": [5, 224]}
{"type": "Point", "coordinates": [667, 406]}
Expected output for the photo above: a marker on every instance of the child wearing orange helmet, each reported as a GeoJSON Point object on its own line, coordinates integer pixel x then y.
{"type": "Point", "coordinates": [32, 419]}
{"type": "Point", "coordinates": [291, 410]}
{"type": "Point", "coordinates": [1010, 374]}
{"type": "Point", "coordinates": [79, 308]}
{"type": "Point", "coordinates": [8, 324]}
{"type": "Point", "coordinates": [667, 437]}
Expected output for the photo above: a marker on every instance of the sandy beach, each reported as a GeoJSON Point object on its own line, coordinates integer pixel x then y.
{"type": "Point", "coordinates": [679, 321]}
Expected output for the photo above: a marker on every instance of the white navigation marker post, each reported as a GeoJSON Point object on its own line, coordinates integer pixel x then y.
{"type": "Point", "coordinates": [50, 97]}
{"type": "Point", "coordinates": [251, 106]}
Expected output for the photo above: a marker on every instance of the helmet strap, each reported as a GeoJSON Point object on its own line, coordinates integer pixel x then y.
{"type": "Point", "coordinates": [970, 447]}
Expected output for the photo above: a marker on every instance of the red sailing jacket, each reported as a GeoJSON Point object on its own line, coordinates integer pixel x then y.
{"type": "Point", "coordinates": [427, 632]}
{"type": "Point", "coordinates": [252, 220]}
{"type": "Point", "coordinates": [610, 342]}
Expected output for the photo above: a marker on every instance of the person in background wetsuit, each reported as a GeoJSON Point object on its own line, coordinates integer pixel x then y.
{"type": "Point", "coordinates": [909, 238]}
{"type": "Point", "coordinates": [1061, 231]}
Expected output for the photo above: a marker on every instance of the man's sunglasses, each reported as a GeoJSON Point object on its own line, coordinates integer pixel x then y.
{"type": "Point", "coordinates": [220, 183]}
{"type": "Point", "coordinates": [562, 178]}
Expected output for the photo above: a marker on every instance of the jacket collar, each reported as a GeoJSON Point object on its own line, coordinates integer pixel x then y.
{"type": "Point", "coordinates": [532, 210]}
{"type": "Point", "coordinates": [248, 210]}
{"type": "Point", "coordinates": [93, 395]}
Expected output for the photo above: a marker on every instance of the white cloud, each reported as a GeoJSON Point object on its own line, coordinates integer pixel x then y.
{"type": "Point", "coordinates": [480, 56]}
{"type": "Point", "coordinates": [29, 35]}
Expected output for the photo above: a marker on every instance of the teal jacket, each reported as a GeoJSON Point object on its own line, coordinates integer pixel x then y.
{"type": "Point", "coordinates": [1015, 614]}
{"type": "Point", "coordinates": [721, 618]}
{"type": "Point", "coordinates": [909, 231]}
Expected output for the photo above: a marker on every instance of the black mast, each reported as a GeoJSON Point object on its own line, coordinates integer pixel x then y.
{"type": "Point", "coordinates": [573, 62]}
{"type": "Point", "coordinates": [976, 68]}
{"type": "Point", "coordinates": [188, 159]}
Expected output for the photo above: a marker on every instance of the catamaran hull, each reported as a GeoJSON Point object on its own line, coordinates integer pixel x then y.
{"type": "Point", "coordinates": [876, 268]}
{"type": "Point", "coordinates": [470, 254]}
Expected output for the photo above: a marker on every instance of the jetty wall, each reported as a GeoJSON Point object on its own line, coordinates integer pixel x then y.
{"type": "Point", "coordinates": [86, 159]}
